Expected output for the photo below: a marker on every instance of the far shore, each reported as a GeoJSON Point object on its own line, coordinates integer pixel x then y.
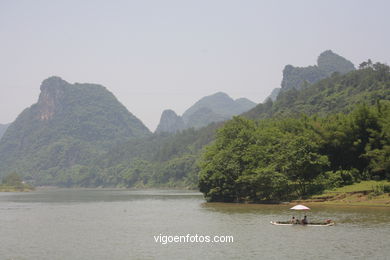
{"type": "Point", "coordinates": [362, 198]}
{"type": "Point", "coordinates": [15, 189]}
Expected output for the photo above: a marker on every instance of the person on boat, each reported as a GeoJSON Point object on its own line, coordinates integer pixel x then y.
{"type": "Point", "coordinates": [304, 220]}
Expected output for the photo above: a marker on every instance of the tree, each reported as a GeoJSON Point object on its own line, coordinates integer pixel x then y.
{"type": "Point", "coordinates": [12, 179]}
{"type": "Point", "coordinates": [303, 163]}
{"type": "Point", "coordinates": [224, 161]}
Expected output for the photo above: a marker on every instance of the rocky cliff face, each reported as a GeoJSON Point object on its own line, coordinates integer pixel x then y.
{"type": "Point", "coordinates": [68, 126]}
{"type": "Point", "coordinates": [170, 122]}
{"type": "Point", "coordinates": [52, 92]}
{"type": "Point", "coordinates": [327, 63]}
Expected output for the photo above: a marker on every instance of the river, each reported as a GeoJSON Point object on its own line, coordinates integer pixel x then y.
{"type": "Point", "coordinates": [125, 224]}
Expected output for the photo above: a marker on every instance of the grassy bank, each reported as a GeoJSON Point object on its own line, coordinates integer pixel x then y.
{"type": "Point", "coordinates": [21, 188]}
{"type": "Point", "coordinates": [365, 193]}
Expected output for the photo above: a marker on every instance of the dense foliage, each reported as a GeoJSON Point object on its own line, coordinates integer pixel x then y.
{"type": "Point", "coordinates": [282, 159]}
{"type": "Point", "coordinates": [70, 125]}
{"type": "Point", "coordinates": [158, 160]}
{"type": "Point", "coordinates": [92, 140]}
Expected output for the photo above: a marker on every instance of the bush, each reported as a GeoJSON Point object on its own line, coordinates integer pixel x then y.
{"type": "Point", "coordinates": [340, 178]}
{"type": "Point", "coordinates": [378, 189]}
{"type": "Point", "coordinates": [348, 176]}
{"type": "Point", "coordinates": [332, 180]}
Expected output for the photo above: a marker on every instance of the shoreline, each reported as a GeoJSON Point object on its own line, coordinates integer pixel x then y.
{"type": "Point", "coordinates": [353, 199]}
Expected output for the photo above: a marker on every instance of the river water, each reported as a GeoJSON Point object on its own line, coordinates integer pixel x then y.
{"type": "Point", "coordinates": [124, 224]}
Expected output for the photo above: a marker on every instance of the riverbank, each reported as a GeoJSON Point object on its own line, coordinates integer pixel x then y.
{"type": "Point", "coordinates": [24, 188]}
{"type": "Point", "coordinates": [365, 193]}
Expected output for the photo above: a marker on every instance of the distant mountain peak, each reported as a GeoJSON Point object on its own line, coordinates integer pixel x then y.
{"type": "Point", "coordinates": [170, 122]}
{"type": "Point", "coordinates": [53, 82]}
{"type": "Point", "coordinates": [69, 125]}
{"type": "Point", "coordinates": [52, 91]}
{"type": "Point", "coordinates": [219, 94]}
{"type": "Point", "coordinates": [328, 62]}
{"type": "Point", "coordinates": [213, 108]}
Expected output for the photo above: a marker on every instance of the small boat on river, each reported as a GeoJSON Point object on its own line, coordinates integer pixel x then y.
{"type": "Point", "coordinates": [314, 224]}
{"type": "Point", "coordinates": [303, 222]}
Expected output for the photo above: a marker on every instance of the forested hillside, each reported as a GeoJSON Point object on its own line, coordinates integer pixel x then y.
{"type": "Point", "coordinates": [99, 143]}
{"type": "Point", "coordinates": [69, 126]}
{"type": "Point", "coordinates": [171, 159]}
{"type": "Point", "coordinates": [338, 93]}
{"type": "Point", "coordinates": [332, 133]}
{"type": "Point", "coordinates": [289, 158]}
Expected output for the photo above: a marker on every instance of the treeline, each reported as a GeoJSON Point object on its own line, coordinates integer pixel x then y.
{"type": "Point", "coordinates": [171, 160]}
{"type": "Point", "coordinates": [284, 159]}
{"type": "Point", "coordinates": [161, 160]}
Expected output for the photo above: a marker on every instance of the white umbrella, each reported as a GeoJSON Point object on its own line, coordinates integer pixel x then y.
{"type": "Point", "coordinates": [300, 207]}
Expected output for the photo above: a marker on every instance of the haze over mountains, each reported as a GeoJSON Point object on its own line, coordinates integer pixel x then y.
{"type": "Point", "coordinates": [70, 123]}
{"type": "Point", "coordinates": [214, 108]}
{"type": "Point", "coordinates": [328, 63]}
{"type": "Point", "coordinates": [3, 128]}
{"type": "Point", "coordinates": [79, 134]}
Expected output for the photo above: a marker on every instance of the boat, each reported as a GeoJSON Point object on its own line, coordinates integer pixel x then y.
{"type": "Point", "coordinates": [313, 224]}
{"type": "Point", "coordinates": [326, 223]}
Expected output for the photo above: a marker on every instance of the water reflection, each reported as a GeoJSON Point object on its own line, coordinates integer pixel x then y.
{"type": "Point", "coordinates": [120, 224]}
{"type": "Point", "coordinates": [96, 195]}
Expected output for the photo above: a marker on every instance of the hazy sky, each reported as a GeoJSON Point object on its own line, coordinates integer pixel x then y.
{"type": "Point", "coordinates": [155, 55]}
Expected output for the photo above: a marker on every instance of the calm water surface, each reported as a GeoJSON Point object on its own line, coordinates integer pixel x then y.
{"type": "Point", "coordinates": [121, 224]}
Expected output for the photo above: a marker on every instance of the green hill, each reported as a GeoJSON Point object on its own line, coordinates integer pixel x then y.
{"type": "Point", "coordinates": [79, 135]}
{"type": "Point", "coordinates": [69, 126]}
{"type": "Point", "coordinates": [338, 93]}
{"type": "Point", "coordinates": [327, 135]}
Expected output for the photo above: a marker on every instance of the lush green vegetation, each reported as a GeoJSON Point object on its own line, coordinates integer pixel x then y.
{"type": "Point", "coordinates": [362, 187]}
{"type": "Point", "coordinates": [284, 159]}
{"type": "Point", "coordinates": [70, 125]}
{"type": "Point", "coordinates": [364, 193]}
{"type": "Point", "coordinates": [91, 140]}
{"type": "Point", "coordinates": [171, 160]}
{"type": "Point", "coordinates": [159, 160]}
{"type": "Point", "coordinates": [338, 93]}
